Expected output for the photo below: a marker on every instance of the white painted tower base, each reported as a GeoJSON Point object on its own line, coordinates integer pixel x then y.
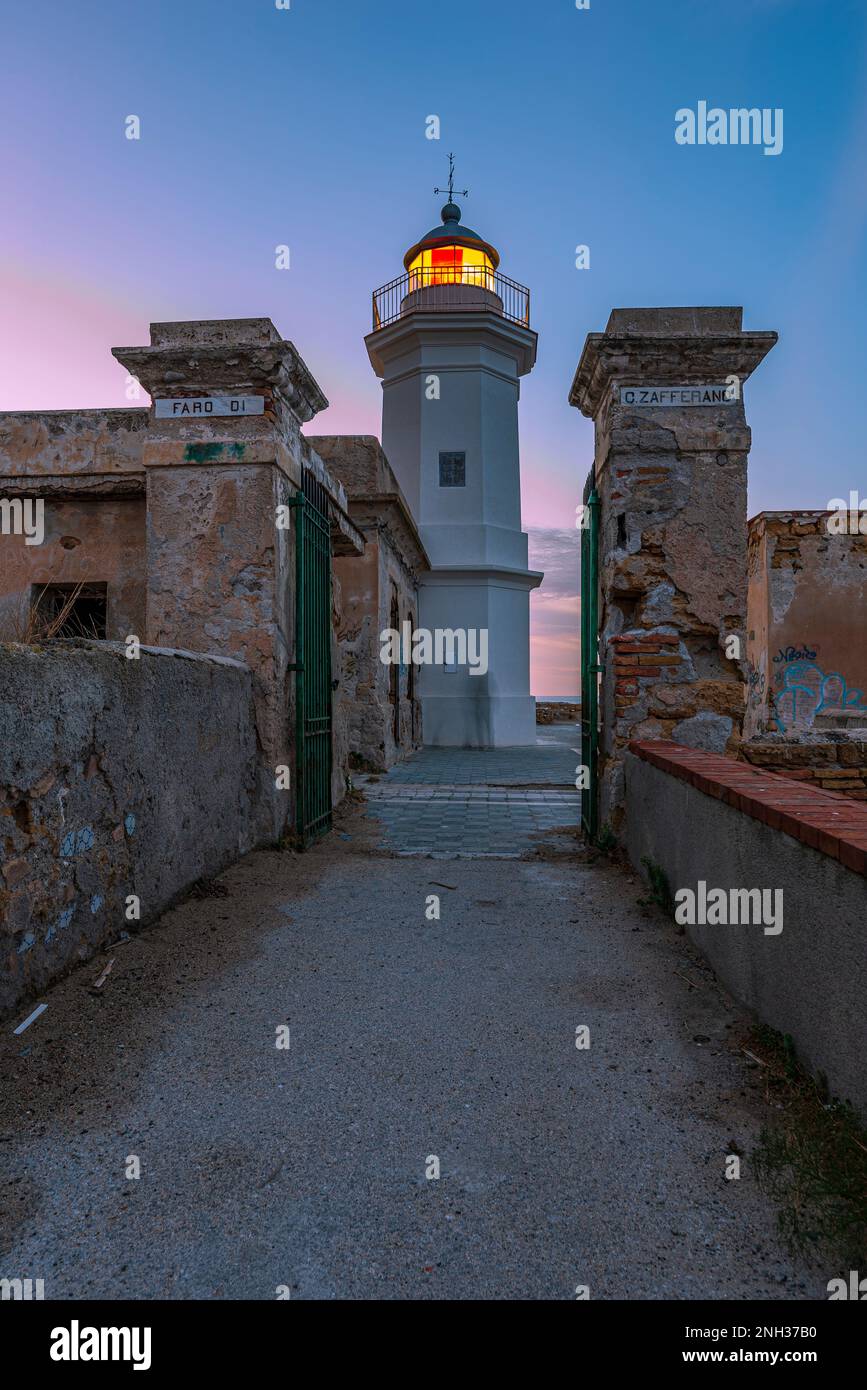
{"type": "Point", "coordinates": [495, 709]}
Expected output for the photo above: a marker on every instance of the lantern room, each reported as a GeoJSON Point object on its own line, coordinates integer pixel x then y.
{"type": "Point", "coordinates": [451, 269]}
{"type": "Point", "coordinates": [451, 255]}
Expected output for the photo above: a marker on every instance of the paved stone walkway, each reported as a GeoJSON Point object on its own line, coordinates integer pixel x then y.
{"type": "Point", "coordinates": [551, 761]}
{"type": "Point", "coordinates": [473, 803]}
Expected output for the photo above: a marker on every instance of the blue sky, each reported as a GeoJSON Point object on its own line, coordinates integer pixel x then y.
{"type": "Point", "coordinates": [307, 127]}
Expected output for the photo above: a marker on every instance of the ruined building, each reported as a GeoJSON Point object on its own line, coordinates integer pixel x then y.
{"type": "Point", "coordinates": [221, 592]}
{"type": "Point", "coordinates": [700, 628]}
{"type": "Point", "coordinates": [668, 495]}
{"type": "Point", "coordinates": [806, 712]}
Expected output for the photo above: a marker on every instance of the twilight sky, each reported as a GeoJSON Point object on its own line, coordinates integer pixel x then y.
{"type": "Point", "coordinates": [306, 126]}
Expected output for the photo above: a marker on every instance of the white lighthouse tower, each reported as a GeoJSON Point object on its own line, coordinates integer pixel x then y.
{"type": "Point", "coordinates": [451, 341]}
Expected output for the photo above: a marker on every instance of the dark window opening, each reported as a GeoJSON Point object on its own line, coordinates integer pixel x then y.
{"type": "Point", "coordinates": [453, 470]}
{"type": "Point", "coordinates": [628, 605]}
{"type": "Point", "coordinates": [394, 674]}
{"type": "Point", "coordinates": [410, 684]}
{"type": "Point", "coordinates": [70, 610]}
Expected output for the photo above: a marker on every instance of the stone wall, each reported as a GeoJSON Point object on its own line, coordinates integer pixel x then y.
{"type": "Point", "coordinates": [118, 777]}
{"type": "Point", "coordinates": [806, 654]}
{"type": "Point", "coordinates": [220, 569]}
{"type": "Point", "coordinates": [361, 707]}
{"type": "Point", "coordinates": [221, 580]}
{"type": "Point", "coordinates": [186, 519]}
{"type": "Point", "coordinates": [44, 442]}
{"type": "Point", "coordinates": [373, 592]}
{"type": "Point", "coordinates": [365, 589]}
{"type": "Point", "coordinates": [671, 476]}
{"type": "Point", "coordinates": [835, 763]}
{"type": "Point", "coordinates": [557, 712]}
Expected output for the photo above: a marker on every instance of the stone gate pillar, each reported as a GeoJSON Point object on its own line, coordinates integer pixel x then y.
{"type": "Point", "coordinates": [664, 390]}
{"type": "Point", "coordinates": [223, 451]}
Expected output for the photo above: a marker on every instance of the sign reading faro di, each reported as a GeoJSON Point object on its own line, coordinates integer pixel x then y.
{"type": "Point", "coordinates": [723, 394]}
{"type": "Point", "coordinates": [189, 407]}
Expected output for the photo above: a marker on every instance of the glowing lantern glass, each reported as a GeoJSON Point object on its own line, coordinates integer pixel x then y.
{"type": "Point", "coordinates": [451, 265]}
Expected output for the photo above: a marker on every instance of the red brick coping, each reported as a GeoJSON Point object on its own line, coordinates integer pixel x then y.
{"type": "Point", "coordinates": [824, 820]}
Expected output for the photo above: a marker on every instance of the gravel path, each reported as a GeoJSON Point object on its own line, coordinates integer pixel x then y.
{"type": "Point", "coordinates": [410, 1038]}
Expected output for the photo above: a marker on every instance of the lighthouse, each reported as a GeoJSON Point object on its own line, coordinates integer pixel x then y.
{"type": "Point", "coordinates": [451, 340]}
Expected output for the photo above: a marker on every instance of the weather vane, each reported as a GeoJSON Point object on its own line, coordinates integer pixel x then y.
{"type": "Point", "coordinates": [462, 192]}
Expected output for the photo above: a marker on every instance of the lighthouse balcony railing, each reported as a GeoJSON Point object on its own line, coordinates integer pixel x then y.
{"type": "Point", "coordinates": [445, 289]}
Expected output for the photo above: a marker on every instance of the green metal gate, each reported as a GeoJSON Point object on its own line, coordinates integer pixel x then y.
{"type": "Point", "coordinates": [313, 662]}
{"type": "Point", "coordinates": [590, 667]}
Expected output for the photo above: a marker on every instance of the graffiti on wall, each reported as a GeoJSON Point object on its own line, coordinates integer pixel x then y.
{"type": "Point", "coordinates": [794, 654]}
{"type": "Point", "coordinates": [804, 690]}
{"type": "Point", "coordinates": [755, 684]}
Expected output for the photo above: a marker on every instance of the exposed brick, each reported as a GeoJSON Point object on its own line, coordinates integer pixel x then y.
{"type": "Point", "coordinates": [851, 754]}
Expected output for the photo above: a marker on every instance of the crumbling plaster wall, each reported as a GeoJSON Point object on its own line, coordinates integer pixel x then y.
{"type": "Point", "coordinates": [672, 582]}
{"type": "Point", "coordinates": [183, 515]}
{"type": "Point", "coordinates": [396, 582]}
{"type": "Point", "coordinates": [360, 711]}
{"type": "Point", "coordinates": [806, 654]}
{"type": "Point", "coordinates": [85, 466]}
{"type": "Point", "coordinates": [218, 581]}
{"type": "Point", "coordinates": [118, 777]}
{"type": "Point", "coordinates": [358, 461]}
{"type": "Point", "coordinates": [367, 586]}
{"type": "Point", "coordinates": [672, 485]}
{"type": "Point", "coordinates": [34, 443]}
{"type": "Point", "coordinates": [93, 537]}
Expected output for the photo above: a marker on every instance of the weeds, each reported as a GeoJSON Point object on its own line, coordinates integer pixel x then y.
{"type": "Point", "coordinates": [606, 840]}
{"type": "Point", "coordinates": [660, 889]}
{"type": "Point", "coordinates": [813, 1162]}
{"type": "Point", "coordinates": [41, 622]}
